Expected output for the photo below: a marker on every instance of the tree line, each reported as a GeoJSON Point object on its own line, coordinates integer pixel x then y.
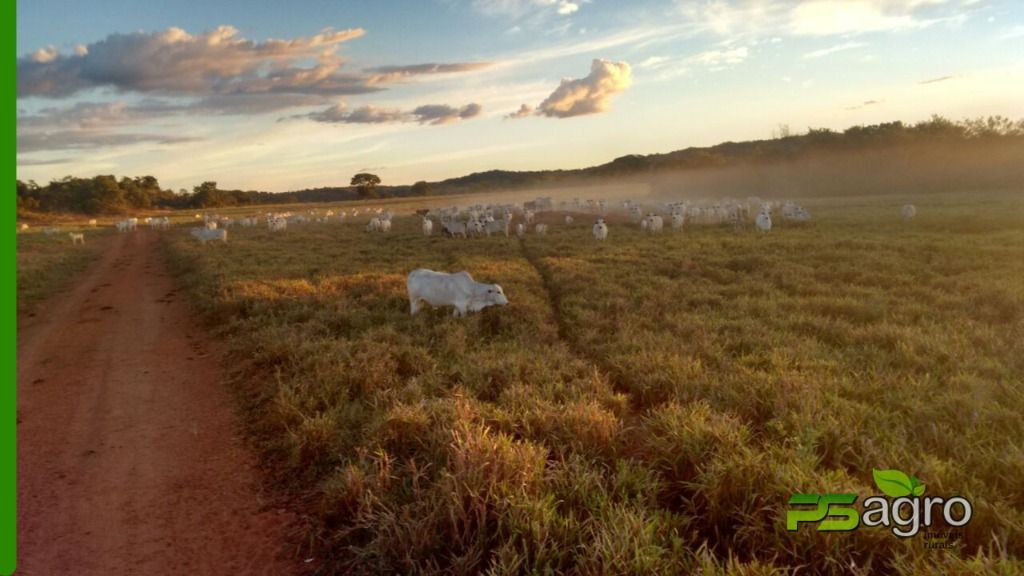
{"type": "Point", "coordinates": [105, 194]}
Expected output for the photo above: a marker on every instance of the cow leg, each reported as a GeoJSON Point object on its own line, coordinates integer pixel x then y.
{"type": "Point", "coordinates": [414, 306]}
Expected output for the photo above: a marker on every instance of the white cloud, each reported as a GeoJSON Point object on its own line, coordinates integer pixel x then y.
{"type": "Point", "coordinates": [833, 49]}
{"type": "Point", "coordinates": [752, 18]}
{"type": "Point", "coordinates": [590, 94]}
{"type": "Point", "coordinates": [1013, 33]}
{"type": "Point", "coordinates": [520, 8]}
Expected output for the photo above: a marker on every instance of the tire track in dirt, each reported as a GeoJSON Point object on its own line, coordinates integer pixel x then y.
{"type": "Point", "coordinates": [129, 455]}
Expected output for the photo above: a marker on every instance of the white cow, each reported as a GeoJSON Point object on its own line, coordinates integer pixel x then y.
{"type": "Point", "coordinates": [909, 211]}
{"type": "Point", "coordinates": [655, 223]}
{"type": "Point", "coordinates": [764, 220]}
{"type": "Point", "coordinates": [568, 218]}
{"type": "Point", "coordinates": [207, 234]}
{"type": "Point", "coordinates": [277, 224]}
{"type": "Point", "coordinates": [454, 229]}
{"type": "Point", "coordinates": [541, 229]}
{"type": "Point", "coordinates": [458, 290]}
{"type": "Point", "coordinates": [78, 238]}
{"type": "Point", "coordinates": [600, 229]}
{"type": "Point", "coordinates": [677, 221]}
{"type": "Point", "coordinates": [497, 227]}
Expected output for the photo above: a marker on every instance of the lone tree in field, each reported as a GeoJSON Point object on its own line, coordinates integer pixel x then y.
{"type": "Point", "coordinates": [366, 184]}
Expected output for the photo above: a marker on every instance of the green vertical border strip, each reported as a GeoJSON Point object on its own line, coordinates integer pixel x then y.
{"type": "Point", "coordinates": [8, 320]}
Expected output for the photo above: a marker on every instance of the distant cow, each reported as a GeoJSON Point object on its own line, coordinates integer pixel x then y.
{"type": "Point", "coordinates": [454, 229]}
{"type": "Point", "coordinates": [204, 235]}
{"type": "Point", "coordinates": [458, 290]}
{"type": "Point", "coordinates": [909, 211]}
{"type": "Point", "coordinates": [78, 238]}
{"type": "Point", "coordinates": [600, 229]}
{"type": "Point", "coordinates": [764, 220]}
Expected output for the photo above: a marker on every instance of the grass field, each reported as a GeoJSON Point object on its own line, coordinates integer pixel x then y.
{"type": "Point", "coordinates": [48, 263]}
{"type": "Point", "coordinates": [646, 405]}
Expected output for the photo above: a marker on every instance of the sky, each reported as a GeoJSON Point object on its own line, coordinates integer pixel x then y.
{"type": "Point", "coordinates": [276, 96]}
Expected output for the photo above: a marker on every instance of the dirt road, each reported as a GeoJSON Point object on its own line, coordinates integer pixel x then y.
{"type": "Point", "coordinates": [129, 454]}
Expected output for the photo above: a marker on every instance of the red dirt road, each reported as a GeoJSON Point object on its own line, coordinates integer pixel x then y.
{"type": "Point", "coordinates": [129, 453]}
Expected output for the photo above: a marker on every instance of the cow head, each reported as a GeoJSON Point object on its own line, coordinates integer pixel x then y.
{"type": "Point", "coordinates": [489, 295]}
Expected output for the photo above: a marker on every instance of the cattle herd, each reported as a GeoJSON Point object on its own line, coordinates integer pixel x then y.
{"type": "Point", "coordinates": [459, 289]}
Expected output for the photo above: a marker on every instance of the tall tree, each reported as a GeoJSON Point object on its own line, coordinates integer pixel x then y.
{"type": "Point", "coordinates": [366, 184]}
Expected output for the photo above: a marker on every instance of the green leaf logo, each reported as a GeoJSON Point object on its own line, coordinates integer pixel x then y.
{"type": "Point", "coordinates": [918, 489]}
{"type": "Point", "coordinates": [896, 484]}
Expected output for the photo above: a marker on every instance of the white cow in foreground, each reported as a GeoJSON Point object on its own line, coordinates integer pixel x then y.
{"type": "Point", "coordinates": [600, 229]}
{"type": "Point", "coordinates": [458, 290]}
{"type": "Point", "coordinates": [909, 211]}
{"type": "Point", "coordinates": [206, 234]}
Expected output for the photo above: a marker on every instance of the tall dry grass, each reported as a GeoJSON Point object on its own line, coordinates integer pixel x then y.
{"type": "Point", "coordinates": [644, 405]}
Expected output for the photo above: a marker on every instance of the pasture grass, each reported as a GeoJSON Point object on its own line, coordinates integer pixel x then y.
{"type": "Point", "coordinates": [645, 405]}
{"type": "Point", "coordinates": [47, 263]}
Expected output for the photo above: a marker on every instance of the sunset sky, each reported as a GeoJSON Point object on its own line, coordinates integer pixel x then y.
{"type": "Point", "coordinates": [277, 96]}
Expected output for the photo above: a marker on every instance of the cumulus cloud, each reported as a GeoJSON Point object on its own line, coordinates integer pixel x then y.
{"type": "Point", "coordinates": [524, 111]}
{"type": "Point", "coordinates": [427, 114]}
{"type": "Point", "coordinates": [589, 95]}
{"type": "Point", "coordinates": [382, 74]}
{"type": "Point", "coordinates": [213, 73]}
{"type": "Point", "coordinates": [175, 62]}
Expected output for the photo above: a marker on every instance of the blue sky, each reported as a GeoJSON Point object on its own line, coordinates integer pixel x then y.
{"type": "Point", "coordinates": [274, 96]}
